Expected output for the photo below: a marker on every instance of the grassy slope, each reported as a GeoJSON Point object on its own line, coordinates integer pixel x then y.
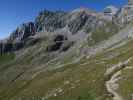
{"type": "Point", "coordinates": [126, 84]}
{"type": "Point", "coordinates": [83, 80]}
{"type": "Point", "coordinates": [6, 58]}
{"type": "Point", "coordinates": [76, 80]}
{"type": "Point", "coordinates": [103, 33]}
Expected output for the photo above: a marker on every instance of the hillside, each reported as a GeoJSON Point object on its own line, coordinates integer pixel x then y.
{"type": "Point", "coordinates": [77, 55]}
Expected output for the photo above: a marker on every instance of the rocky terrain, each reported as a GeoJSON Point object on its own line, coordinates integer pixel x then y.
{"type": "Point", "coordinates": [77, 55]}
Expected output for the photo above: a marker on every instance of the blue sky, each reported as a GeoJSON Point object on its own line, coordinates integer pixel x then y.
{"type": "Point", "coordinates": [15, 12]}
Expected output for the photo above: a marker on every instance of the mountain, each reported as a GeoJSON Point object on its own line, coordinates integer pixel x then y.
{"type": "Point", "coordinates": [77, 55]}
{"type": "Point", "coordinates": [76, 24]}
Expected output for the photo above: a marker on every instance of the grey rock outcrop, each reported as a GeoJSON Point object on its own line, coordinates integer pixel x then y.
{"type": "Point", "coordinates": [79, 19]}
{"type": "Point", "coordinates": [110, 12]}
{"type": "Point", "coordinates": [125, 14]}
{"type": "Point", "coordinates": [50, 21]}
{"type": "Point", "coordinates": [17, 38]}
{"type": "Point", "coordinates": [76, 22]}
{"type": "Point", "coordinates": [23, 31]}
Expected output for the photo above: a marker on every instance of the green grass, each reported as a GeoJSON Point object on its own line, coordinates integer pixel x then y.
{"type": "Point", "coordinates": [126, 85]}
{"type": "Point", "coordinates": [103, 33]}
{"type": "Point", "coordinates": [90, 85]}
{"type": "Point", "coordinates": [86, 79]}
{"type": "Point", "coordinates": [48, 81]}
{"type": "Point", "coordinates": [5, 58]}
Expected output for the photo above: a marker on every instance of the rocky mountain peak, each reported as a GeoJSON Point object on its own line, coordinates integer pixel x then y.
{"type": "Point", "coordinates": [83, 9]}
{"type": "Point", "coordinates": [125, 13]}
{"type": "Point", "coordinates": [23, 31]}
{"type": "Point", "coordinates": [111, 10]}
{"type": "Point", "coordinates": [79, 22]}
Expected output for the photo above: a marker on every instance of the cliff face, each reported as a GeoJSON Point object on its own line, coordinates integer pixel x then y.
{"type": "Point", "coordinates": [23, 31]}
{"type": "Point", "coordinates": [125, 14]}
{"type": "Point", "coordinates": [74, 21]}
{"type": "Point", "coordinates": [78, 21]}
{"type": "Point", "coordinates": [50, 21]}
{"type": "Point", "coordinates": [17, 38]}
{"type": "Point", "coordinates": [71, 23]}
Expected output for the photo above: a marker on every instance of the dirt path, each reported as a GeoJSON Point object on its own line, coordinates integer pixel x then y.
{"type": "Point", "coordinates": [115, 75]}
{"type": "Point", "coordinates": [112, 86]}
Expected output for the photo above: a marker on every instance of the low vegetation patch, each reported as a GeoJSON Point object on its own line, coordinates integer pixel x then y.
{"type": "Point", "coordinates": [6, 58]}
{"type": "Point", "coordinates": [103, 33]}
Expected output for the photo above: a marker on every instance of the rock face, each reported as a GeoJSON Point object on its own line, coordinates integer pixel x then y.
{"type": "Point", "coordinates": [75, 23]}
{"type": "Point", "coordinates": [17, 38]}
{"type": "Point", "coordinates": [125, 14]}
{"type": "Point", "coordinates": [47, 21]}
{"type": "Point", "coordinates": [110, 12]}
{"type": "Point", "coordinates": [50, 21]}
{"type": "Point", "coordinates": [78, 22]}
{"type": "Point", "coordinates": [23, 31]}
